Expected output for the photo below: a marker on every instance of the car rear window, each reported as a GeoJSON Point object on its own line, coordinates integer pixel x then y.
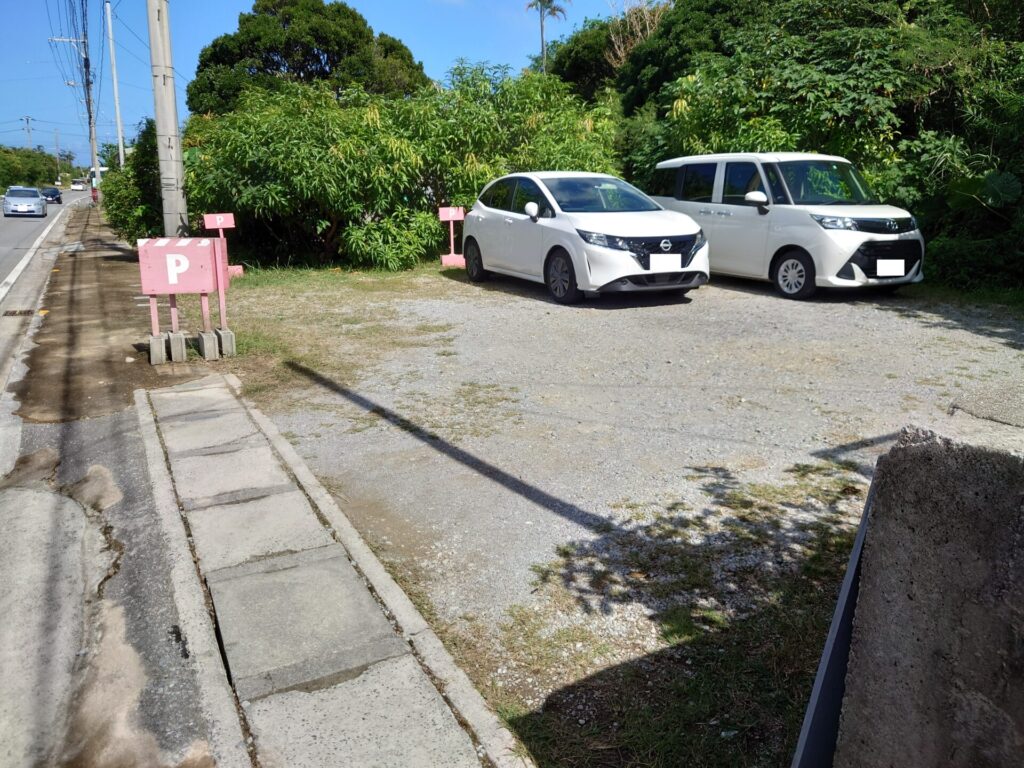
{"type": "Point", "coordinates": [698, 182]}
{"type": "Point", "coordinates": [663, 182]}
{"type": "Point", "coordinates": [499, 195]}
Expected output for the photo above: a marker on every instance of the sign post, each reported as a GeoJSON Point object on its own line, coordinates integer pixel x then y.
{"type": "Point", "coordinates": [451, 215]}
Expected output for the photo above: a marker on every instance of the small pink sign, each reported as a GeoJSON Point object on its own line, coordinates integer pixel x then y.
{"type": "Point", "coordinates": [177, 265]}
{"type": "Point", "coordinates": [219, 220]}
{"type": "Point", "coordinates": [451, 214]}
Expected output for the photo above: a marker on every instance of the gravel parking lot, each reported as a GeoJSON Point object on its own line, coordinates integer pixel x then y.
{"type": "Point", "coordinates": [568, 490]}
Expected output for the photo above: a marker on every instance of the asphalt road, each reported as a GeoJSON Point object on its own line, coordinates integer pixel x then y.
{"type": "Point", "coordinates": [18, 233]}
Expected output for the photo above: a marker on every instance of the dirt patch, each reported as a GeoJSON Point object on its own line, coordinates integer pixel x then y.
{"type": "Point", "coordinates": [89, 354]}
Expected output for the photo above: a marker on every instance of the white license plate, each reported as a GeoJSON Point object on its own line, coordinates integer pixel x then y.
{"type": "Point", "coordinates": [665, 262]}
{"type": "Point", "coordinates": [890, 268]}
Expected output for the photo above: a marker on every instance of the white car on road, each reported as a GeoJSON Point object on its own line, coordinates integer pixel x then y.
{"type": "Point", "coordinates": [581, 232]}
{"type": "Point", "coordinates": [800, 220]}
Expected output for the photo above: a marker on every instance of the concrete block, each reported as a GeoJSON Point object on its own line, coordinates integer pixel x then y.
{"type": "Point", "coordinates": [203, 481]}
{"type": "Point", "coordinates": [179, 347]}
{"type": "Point", "coordinates": [209, 348]}
{"type": "Point", "coordinates": [233, 534]}
{"type": "Point", "coordinates": [227, 341]}
{"type": "Point", "coordinates": [304, 620]}
{"type": "Point", "coordinates": [158, 349]}
{"type": "Point", "coordinates": [390, 715]}
{"type": "Point", "coordinates": [936, 669]}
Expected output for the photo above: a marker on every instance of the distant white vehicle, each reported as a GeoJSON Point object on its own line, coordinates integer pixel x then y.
{"type": "Point", "coordinates": [802, 221]}
{"type": "Point", "coordinates": [78, 185]}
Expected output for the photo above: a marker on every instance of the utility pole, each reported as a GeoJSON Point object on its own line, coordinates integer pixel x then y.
{"type": "Point", "coordinates": [56, 144]}
{"type": "Point", "coordinates": [117, 99]}
{"type": "Point", "coordinates": [28, 130]}
{"type": "Point", "coordinates": [168, 143]}
{"type": "Point", "coordinates": [87, 84]}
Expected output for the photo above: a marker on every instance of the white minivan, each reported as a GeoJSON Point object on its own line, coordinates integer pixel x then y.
{"type": "Point", "coordinates": [800, 220]}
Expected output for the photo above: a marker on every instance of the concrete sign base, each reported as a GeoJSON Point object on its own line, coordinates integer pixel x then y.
{"type": "Point", "coordinates": [208, 346]}
{"type": "Point", "coordinates": [158, 349]}
{"type": "Point", "coordinates": [227, 342]}
{"type": "Point", "coordinates": [178, 347]}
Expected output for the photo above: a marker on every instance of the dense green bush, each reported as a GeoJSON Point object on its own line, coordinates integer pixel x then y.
{"type": "Point", "coordinates": [131, 195]}
{"type": "Point", "coordinates": [356, 179]}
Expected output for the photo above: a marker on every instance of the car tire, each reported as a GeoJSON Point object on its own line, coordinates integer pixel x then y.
{"type": "Point", "coordinates": [474, 263]}
{"type": "Point", "coordinates": [560, 278]}
{"type": "Point", "coordinates": [793, 275]}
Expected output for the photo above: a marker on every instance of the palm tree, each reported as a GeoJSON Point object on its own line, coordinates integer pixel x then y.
{"type": "Point", "coordinates": [546, 8]}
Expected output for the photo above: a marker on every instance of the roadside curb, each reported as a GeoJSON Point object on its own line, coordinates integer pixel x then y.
{"type": "Point", "coordinates": [498, 743]}
{"type": "Point", "coordinates": [227, 742]}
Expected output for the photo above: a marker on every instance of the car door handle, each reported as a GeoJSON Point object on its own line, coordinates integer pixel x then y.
{"type": "Point", "coordinates": [724, 213]}
{"type": "Point", "coordinates": [508, 221]}
{"type": "Point", "coordinates": [705, 211]}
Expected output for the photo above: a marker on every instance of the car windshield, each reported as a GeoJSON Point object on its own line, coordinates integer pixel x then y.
{"type": "Point", "coordinates": [826, 182]}
{"type": "Point", "coordinates": [598, 194]}
{"type": "Point", "coordinates": [50, 191]}
{"type": "Point", "coordinates": [22, 193]}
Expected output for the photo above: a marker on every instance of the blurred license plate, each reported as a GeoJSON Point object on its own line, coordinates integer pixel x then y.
{"type": "Point", "coordinates": [890, 268]}
{"type": "Point", "coordinates": [666, 262]}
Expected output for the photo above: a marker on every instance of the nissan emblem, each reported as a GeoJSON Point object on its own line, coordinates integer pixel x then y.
{"type": "Point", "coordinates": [666, 245]}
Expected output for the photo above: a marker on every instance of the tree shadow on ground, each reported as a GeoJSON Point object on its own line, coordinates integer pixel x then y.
{"type": "Point", "coordinates": [741, 589]}
{"type": "Point", "coordinates": [724, 692]}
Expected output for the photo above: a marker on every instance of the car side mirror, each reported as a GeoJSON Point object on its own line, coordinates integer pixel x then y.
{"type": "Point", "coordinates": [532, 210]}
{"type": "Point", "coordinates": [758, 198]}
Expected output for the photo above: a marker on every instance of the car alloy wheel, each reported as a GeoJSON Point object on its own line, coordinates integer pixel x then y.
{"type": "Point", "coordinates": [474, 263]}
{"type": "Point", "coordinates": [561, 279]}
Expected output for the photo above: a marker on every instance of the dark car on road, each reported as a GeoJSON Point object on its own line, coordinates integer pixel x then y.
{"type": "Point", "coordinates": [52, 195]}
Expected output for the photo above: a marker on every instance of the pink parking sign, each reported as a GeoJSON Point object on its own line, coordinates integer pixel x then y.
{"type": "Point", "coordinates": [172, 265]}
{"type": "Point", "coordinates": [219, 220]}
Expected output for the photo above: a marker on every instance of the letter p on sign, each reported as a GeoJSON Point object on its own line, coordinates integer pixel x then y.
{"type": "Point", "coordinates": [177, 263]}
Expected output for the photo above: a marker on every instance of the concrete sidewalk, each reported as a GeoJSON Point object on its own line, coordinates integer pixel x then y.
{"type": "Point", "coordinates": [329, 662]}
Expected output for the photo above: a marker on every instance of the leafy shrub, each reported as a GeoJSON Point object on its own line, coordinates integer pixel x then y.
{"type": "Point", "coordinates": [131, 195]}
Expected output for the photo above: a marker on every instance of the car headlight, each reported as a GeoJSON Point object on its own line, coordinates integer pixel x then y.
{"type": "Point", "coordinates": [835, 222]}
{"type": "Point", "coordinates": [605, 241]}
{"type": "Point", "coordinates": [699, 242]}
{"type": "Point", "coordinates": [913, 223]}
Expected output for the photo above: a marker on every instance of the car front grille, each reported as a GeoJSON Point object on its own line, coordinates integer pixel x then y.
{"type": "Point", "coordinates": [643, 247]}
{"type": "Point", "coordinates": [866, 257]}
{"type": "Point", "coordinates": [886, 226]}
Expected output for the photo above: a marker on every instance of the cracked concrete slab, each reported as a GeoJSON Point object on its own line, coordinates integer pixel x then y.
{"type": "Point", "coordinates": [1002, 402]}
{"type": "Point", "coordinates": [201, 480]}
{"type": "Point", "coordinates": [233, 534]}
{"type": "Point", "coordinates": [174, 402]}
{"type": "Point", "coordinates": [207, 430]}
{"type": "Point", "coordinates": [393, 717]}
{"type": "Point", "coordinates": [301, 620]}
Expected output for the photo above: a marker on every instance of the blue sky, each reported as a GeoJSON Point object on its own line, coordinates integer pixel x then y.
{"type": "Point", "coordinates": [436, 31]}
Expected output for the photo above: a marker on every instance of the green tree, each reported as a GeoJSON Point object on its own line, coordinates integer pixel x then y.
{"type": "Point", "coordinates": [546, 9]}
{"type": "Point", "coordinates": [304, 41]}
{"type": "Point", "coordinates": [582, 58]}
{"type": "Point", "coordinates": [29, 167]}
{"type": "Point", "coordinates": [131, 195]}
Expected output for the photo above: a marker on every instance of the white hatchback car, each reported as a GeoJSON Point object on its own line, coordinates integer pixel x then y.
{"type": "Point", "coordinates": [799, 220]}
{"type": "Point", "coordinates": [581, 232]}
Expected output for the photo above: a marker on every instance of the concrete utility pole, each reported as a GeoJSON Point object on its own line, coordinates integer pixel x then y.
{"type": "Point", "coordinates": [172, 167]}
{"type": "Point", "coordinates": [56, 144]}
{"type": "Point", "coordinates": [28, 130]}
{"type": "Point", "coordinates": [87, 84]}
{"type": "Point", "coordinates": [117, 99]}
